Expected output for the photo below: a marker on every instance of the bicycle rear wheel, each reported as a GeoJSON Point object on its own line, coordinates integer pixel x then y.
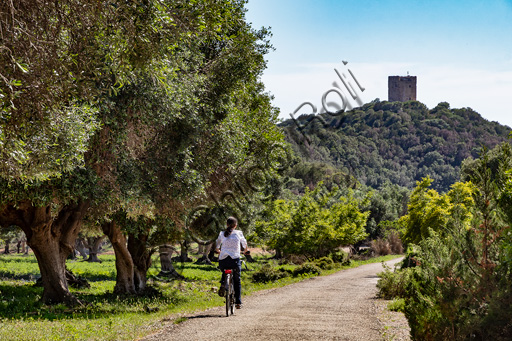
{"type": "Point", "coordinates": [229, 306]}
{"type": "Point", "coordinates": [232, 297]}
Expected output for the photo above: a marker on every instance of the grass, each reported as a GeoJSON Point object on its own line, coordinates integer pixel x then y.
{"type": "Point", "coordinates": [107, 316]}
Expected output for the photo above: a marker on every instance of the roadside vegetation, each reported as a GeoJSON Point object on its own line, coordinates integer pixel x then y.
{"type": "Point", "coordinates": [109, 316]}
{"type": "Point", "coordinates": [455, 280]}
{"type": "Point", "coordinates": [144, 125]}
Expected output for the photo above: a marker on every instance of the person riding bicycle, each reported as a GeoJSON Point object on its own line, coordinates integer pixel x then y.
{"type": "Point", "coordinates": [228, 244]}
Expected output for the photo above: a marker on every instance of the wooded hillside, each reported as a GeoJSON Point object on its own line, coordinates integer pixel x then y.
{"type": "Point", "coordinates": [397, 142]}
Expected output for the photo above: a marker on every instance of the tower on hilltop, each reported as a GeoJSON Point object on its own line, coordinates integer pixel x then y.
{"type": "Point", "coordinates": [401, 88]}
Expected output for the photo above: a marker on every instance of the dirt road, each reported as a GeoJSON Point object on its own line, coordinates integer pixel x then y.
{"type": "Point", "coordinates": [336, 307]}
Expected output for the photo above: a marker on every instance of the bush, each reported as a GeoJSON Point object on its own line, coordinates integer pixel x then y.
{"type": "Point", "coordinates": [410, 260]}
{"type": "Point", "coordinates": [389, 245]}
{"type": "Point", "coordinates": [269, 274]}
{"type": "Point", "coordinates": [307, 268]}
{"type": "Point", "coordinates": [380, 247]}
{"type": "Point", "coordinates": [314, 225]}
{"type": "Point", "coordinates": [294, 259]}
{"type": "Point", "coordinates": [324, 263]}
{"type": "Point", "coordinates": [341, 257]}
{"type": "Point", "coordinates": [393, 284]}
{"type": "Point", "coordinates": [395, 243]}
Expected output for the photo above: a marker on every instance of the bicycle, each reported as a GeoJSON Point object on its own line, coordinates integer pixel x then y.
{"type": "Point", "coordinates": [229, 291]}
{"type": "Point", "coordinates": [229, 288]}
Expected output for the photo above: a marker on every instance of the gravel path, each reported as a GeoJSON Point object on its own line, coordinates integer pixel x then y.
{"type": "Point", "coordinates": [335, 307]}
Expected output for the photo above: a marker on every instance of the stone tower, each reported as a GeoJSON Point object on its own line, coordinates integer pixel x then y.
{"type": "Point", "coordinates": [401, 88]}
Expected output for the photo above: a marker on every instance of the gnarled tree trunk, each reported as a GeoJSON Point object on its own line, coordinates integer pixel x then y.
{"type": "Point", "coordinates": [279, 254]}
{"type": "Point", "coordinates": [51, 240]}
{"type": "Point", "coordinates": [141, 259]}
{"type": "Point", "coordinates": [7, 250]}
{"type": "Point", "coordinates": [166, 252]}
{"type": "Point", "coordinates": [125, 283]}
{"type": "Point", "coordinates": [205, 259]}
{"type": "Point", "coordinates": [80, 247]}
{"type": "Point", "coordinates": [94, 244]}
{"type": "Point", "coordinates": [167, 268]}
{"type": "Point", "coordinates": [185, 245]}
{"type": "Point", "coordinates": [22, 244]}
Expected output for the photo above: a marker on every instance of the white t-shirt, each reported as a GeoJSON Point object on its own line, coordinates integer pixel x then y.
{"type": "Point", "coordinates": [231, 245]}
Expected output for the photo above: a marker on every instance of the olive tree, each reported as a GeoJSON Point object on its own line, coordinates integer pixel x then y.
{"type": "Point", "coordinates": [62, 63]}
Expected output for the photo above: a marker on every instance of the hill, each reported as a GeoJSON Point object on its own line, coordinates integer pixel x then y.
{"type": "Point", "coordinates": [396, 142]}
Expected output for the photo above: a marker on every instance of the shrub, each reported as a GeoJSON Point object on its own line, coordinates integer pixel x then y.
{"type": "Point", "coordinates": [381, 247]}
{"type": "Point", "coordinates": [295, 259]}
{"type": "Point", "coordinates": [269, 274]}
{"type": "Point", "coordinates": [389, 245]}
{"type": "Point", "coordinates": [410, 260]}
{"type": "Point", "coordinates": [324, 263]}
{"type": "Point", "coordinates": [341, 257]}
{"type": "Point", "coordinates": [393, 284]}
{"type": "Point", "coordinates": [395, 243]}
{"type": "Point", "coordinates": [314, 225]}
{"type": "Point", "coordinates": [307, 268]}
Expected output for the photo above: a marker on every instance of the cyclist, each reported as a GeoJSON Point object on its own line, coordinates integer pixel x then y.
{"type": "Point", "coordinates": [228, 244]}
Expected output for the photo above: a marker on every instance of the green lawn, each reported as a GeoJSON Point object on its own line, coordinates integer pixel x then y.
{"type": "Point", "coordinates": [106, 316]}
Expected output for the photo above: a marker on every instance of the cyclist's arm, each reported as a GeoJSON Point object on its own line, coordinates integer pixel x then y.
{"type": "Point", "coordinates": [217, 243]}
{"type": "Point", "coordinates": [243, 242]}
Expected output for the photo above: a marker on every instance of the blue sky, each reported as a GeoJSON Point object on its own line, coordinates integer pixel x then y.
{"type": "Point", "coordinates": [461, 51]}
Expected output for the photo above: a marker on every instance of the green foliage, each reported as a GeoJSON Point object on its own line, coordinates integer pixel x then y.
{"type": "Point", "coordinates": [269, 273]}
{"type": "Point", "coordinates": [394, 142]}
{"type": "Point", "coordinates": [340, 257]}
{"type": "Point", "coordinates": [7, 234]}
{"type": "Point", "coordinates": [315, 225]}
{"type": "Point", "coordinates": [173, 144]}
{"type": "Point", "coordinates": [393, 284]}
{"type": "Point", "coordinates": [426, 210]}
{"type": "Point", "coordinates": [307, 269]}
{"type": "Point", "coordinates": [459, 288]}
{"type": "Point", "coordinates": [324, 263]}
{"type": "Point", "coordinates": [429, 211]}
{"type": "Point", "coordinates": [50, 97]}
{"type": "Point", "coordinates": [446, 297]}
{"type": "Point", "coordinates": [109, 316]}
{"type": "Point", "coordinates": [139, 118]}
{"type": "Point", "coordinates": [397, 305]}
{"type": "Point", "coordinates": [311, 173]}
{"type": "Point", "coordinates": [81, 184]}
{"type": "Point", "coordinates": [386, 205]}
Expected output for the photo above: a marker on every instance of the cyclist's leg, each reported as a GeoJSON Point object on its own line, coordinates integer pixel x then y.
{"type": "Point", "coordinates": [223, 265]}
{"type": "Point", "coordinates": [237, 282]}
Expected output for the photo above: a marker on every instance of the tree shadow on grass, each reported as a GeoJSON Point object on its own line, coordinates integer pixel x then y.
{"type": "Point", "coordinates": [21, 301]}
{"type": "Point", "coordinates": [17, 301]}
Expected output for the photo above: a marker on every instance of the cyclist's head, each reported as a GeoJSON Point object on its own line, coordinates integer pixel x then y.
{"type": "Point", "coordinates": [231, 224]}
